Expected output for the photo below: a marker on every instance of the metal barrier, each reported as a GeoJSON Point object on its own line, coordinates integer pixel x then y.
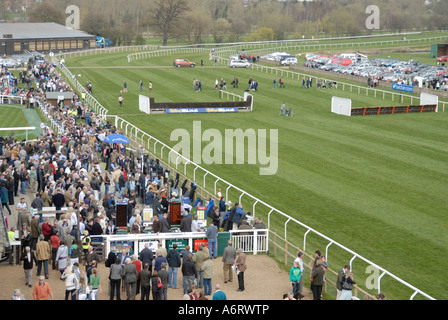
{"type": "Point", "coordinates": [251, 241]}
{"type": "Point", "coordinates": [11, 99]}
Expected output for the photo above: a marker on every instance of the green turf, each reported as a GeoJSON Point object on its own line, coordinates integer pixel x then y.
{"type": "Point", "coordinates": [18, 116]}
{"type": "Point", "coordinates": [374, 184]}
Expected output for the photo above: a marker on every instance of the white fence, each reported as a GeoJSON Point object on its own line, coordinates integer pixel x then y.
{"type": "Point", "coordinates": [80, 89]}
{"type": "Point", "coordinates": [11, 99]}
{"type": "Point", "coordinates": [251, 241]}
{"type": "Point", "coordinates": [163, 151]}
{"type": "Point", "coordinates": [19, 129]}
{"type": "Point", "coordinates": [394, 96]}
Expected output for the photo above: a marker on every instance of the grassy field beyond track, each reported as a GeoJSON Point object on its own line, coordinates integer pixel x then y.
{"type": "Point", "coordinates": [375, 184]}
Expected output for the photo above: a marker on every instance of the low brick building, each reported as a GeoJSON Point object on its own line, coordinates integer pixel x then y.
{"type": "Point", "coordinates": [16, 38]}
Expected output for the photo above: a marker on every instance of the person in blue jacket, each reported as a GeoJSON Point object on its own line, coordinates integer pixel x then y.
{"type": "Point", "coordinates": [239, 213]}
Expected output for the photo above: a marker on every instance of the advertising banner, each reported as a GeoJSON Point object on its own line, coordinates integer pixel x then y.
{"type": "Point", "coordinates": [402, 87]}
{"type": "Point", "coordinates": [201, 110]}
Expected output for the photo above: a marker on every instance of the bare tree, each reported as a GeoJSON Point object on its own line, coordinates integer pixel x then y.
{"type": "Point", "coordinates": [165, 15]}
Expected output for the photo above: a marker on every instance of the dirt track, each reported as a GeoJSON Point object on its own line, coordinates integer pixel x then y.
{"type": "Point", "coordinates": [264, 280]}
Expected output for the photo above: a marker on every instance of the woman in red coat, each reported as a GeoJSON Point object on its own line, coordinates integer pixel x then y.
{"type": "Point", "coordinates": [55, 243]}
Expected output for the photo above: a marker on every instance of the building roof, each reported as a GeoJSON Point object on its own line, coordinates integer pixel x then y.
{"type": "Point", "coordinates": [56, 95]}
{"type": "Point", "coordinates": [39, 30]}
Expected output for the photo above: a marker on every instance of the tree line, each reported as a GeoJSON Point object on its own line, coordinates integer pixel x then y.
{"type": "Point", "coordinates": [199, 21]}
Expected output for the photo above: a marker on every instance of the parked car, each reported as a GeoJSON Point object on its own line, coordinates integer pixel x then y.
{"type": "Point", "coordinates": [184, 63]}
{"type": "Point", "coordinates": [442, 59]}
{"type": "Point", "coordinates": [288, 60]}
{"type": "Point", "coordinates": [8, 63]}
{"type": "Point", "coordinates": [239, 64]}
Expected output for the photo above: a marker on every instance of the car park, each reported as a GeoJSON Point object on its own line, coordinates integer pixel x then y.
{"type": "Point", "coordinates": [390, 70]}
{"type": "Point", "coordinates": [184, 63]}
{"type": "Point", "coordinates": [239, 64]}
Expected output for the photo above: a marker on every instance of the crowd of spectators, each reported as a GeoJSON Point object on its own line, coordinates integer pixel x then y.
{"type": "Point", "coordinates": [76, 169]}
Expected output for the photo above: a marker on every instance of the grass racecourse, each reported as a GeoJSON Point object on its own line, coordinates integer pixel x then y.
{"type": "Point", "coordinates": [376, 184]}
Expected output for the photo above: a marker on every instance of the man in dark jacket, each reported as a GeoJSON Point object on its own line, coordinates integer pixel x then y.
{"type": "Point", "coordinates": [146, 256]}
{"type": "Point", "coordinates": [165, 224]}
{"type": "Point", "coordinates": [189, 273]}
{"type": "Point", "coordinates": [28, 258]}
{"type": "Point", "coordinates": [174, 262]}
{"type": "Point", "coordinates": [185, 223]}
{"type": "Point", "coordinates": [318, 280]}
{"type": "Point", "coordinates": [231, 215]}
{"type": "Point", "coordinates": [58, 201]}
{"type": "Point", "coordinates": [145, 283]}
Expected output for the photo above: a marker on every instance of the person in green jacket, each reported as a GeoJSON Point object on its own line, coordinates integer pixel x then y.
{"type": "Point", "coordinates": [318, 280]}
{"type": "Point", "coordinates": [95, 282]}
{"type": "Point", "coordinates": [294, 277]}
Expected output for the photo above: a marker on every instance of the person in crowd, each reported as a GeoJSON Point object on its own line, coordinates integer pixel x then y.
{"type": "Point", "coordinates": [42, 290]}
{"type": "Point", "coordinates": [17, 295]}
{"type": "Point", "coordinates": [207, 271]}
{"type": "Point", "coordinates": [29, 259]}
{"type": "Point", "coordinates": [240, 264]}
{"type": "Point", "coordinates": [115, 276]}
{"type": "Point", "coordinates": [228, 260]}
{"type": "Point", "coordinates": [174, 263]}
{"type": "Point", "coordinates": [219, 295]}
{"type": "Point", "coordinates": [145, 282]}
{"type": "Point", "coordinates": [130, 276]}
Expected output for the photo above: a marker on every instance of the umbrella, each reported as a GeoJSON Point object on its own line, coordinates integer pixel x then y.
{"type": "Point", "coordinates": [116, 138]}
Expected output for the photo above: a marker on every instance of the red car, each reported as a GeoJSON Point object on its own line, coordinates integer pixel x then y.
{"type": "Point", "coordinates": [442, 59]}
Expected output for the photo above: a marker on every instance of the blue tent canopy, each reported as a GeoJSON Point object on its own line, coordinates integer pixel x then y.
{"type": "Point", "coordinates": [116, 138]}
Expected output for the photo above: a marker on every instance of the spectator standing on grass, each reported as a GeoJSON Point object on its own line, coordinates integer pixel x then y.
{"type": "Point", "coordinates": [120, 100]}
{"type": "Point", "coordinates": [299, 260]}
{"type": "Point", "coordinates": [318, 278]}
{"type": "Point", "coordinates": [347, 286]}
{"type": "Point", "coordinates": [295, 275]}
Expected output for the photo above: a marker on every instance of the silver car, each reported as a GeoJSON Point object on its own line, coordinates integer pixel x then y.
{"type": "Point", "coordinates": [239, 64]}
